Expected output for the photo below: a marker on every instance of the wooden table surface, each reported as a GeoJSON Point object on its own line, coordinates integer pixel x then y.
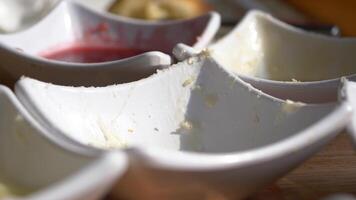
{"type": "Point", "coordinates": [333, 170]}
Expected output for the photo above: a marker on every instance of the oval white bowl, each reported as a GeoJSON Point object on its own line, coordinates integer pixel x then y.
{"type": "Point", "coordinates": [270, 54]}
{"type": "Point", "coordinates": [34, 159]}
{"type": "Point", "coordinates": [70, 22]}
{"type": "Point", "coordinates": [195, 128]}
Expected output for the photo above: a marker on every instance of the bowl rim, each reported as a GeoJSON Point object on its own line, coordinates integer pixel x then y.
{"type": "Point", "coordinates": [211, 27]}
{"type": "Point", "coordinates": [290, 28]}
{"type": "Point", "coordinates": [163, 158]}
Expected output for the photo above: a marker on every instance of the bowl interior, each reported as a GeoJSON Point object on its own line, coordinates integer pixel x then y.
{"type": "Point", "coordinates": [71, 24]}
{"type": "Point", "coordinates": [200, 107]}
{"type": "Point", "coordinates": [29, 160]}
{"type": "Point", "coordinates": [261, 46]}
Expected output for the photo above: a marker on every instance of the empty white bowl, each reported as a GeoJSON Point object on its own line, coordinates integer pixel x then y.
{"type": "Point", "coordinates": [71, 24]}
{"type": "Point", "coordinates": [193, 130]}
{"type": "Point", "coordinates": [39, 163]}
{"type": "Point", "coordinates": [283, 61]}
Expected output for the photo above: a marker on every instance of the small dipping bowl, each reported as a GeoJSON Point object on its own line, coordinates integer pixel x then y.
{"type": "Point", "coordinates": [283, 61]}
{"type": "Point", "coordinates": [113, 47]}
{"type": "Point", "coordinates": [37, 165]}
{"type": "Point", "coordinates": [191, 131]}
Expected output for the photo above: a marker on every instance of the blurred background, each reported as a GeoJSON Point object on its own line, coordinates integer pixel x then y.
{"type": "Point", "coordinates": [329, 16]}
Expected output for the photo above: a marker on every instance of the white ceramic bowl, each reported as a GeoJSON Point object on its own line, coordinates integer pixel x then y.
{"type": "Point", "coordinates": [40, 162]}
{"type": "Point", "coordinates": [274, 56]}
{"type": "Point", "coordinates": [92, 182]}
{"type": "Point", "coordinates": [348, 93]}
{"type": "Point", "coordinates": [193, 130]}
{"type": "Point", "coordinates": [70, 22]}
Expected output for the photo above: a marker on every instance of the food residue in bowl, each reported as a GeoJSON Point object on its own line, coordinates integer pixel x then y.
{"type": "Point", "coordinates": [160, 10]}
{"type": "Point", "coordinates": [210, 100]}
{"type": "Point", "coordinates": [188, 81]}
{"type": "Point", "coordinates": [110, 140]}
{"type": "Point", "coordinates": [9, 190]}
{"type": "Point", "coordinates": [186, 125]}
{"type": "Point", "coordinates": [290, 106]}
{"type": "Point", "coordinates": [191, 135]}
{"type": "Point", "coordinates": [90, 53]}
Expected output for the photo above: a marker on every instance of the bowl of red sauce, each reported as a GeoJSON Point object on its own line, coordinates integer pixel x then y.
{"type": "Point", "coordinates": [75, 45]}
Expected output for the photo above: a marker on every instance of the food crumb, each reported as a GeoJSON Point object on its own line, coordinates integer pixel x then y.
{"type": "Point", "coordinates": [197, 87]}
{"type": "Point", "coordinates": [211, 100]}
{"type": "Point", "coordinates": [111, 140]}
{"type": "Point", "coordinates": [156, 129]}
{"type": "Point", "coordinates": [186, 125]}
{"type": "Point", "coordinates": [205, 53]}
{"type": "Point", "coordinates": [188, 81]}
{"type": "Point", "coordinates": [290, 106]}
{"type": "Point", "coordinates": [130, 130]}
{"type": "Point", "coordinates": [190, 60]}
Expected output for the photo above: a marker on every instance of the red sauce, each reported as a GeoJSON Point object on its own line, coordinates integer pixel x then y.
{"type": "Point", "coordinates": [90, 53]}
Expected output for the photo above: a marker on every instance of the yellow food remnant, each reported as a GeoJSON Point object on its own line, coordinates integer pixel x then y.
{"type": "Point", "coordinates": [110, 140]}
{"type": "Point", "coordinates": [11, 191]}
{"type": "Point", "coordinates": [206, 53]}
{"type": "Point", "coordinates": [290, 106]}
{"type": "Point", "coordinates": [160, 9]}
{"type": "Point", "coordinates": [188, 81]}
{"type": "Point", "coordinates": [190, 60]}
{"type": "Point", "coordinates": [211, 100]}
{"type": "Point", "coordinates": [187, 125]}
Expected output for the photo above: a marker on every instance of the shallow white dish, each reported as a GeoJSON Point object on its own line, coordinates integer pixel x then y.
{"type": "Point", "coordinates": [71, 22]}
{"type": "Point", "coordinates": [274, 56]}
{"type": "Point", "coordinates": [195, 128]}
{"type": "Point", "coordinates": [33, 159]}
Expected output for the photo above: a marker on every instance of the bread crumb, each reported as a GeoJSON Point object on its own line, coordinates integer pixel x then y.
{"type": "Point", "coordinates": [190, 60]}
{"type": "Point", "coordinates": [187, 125]}
{"type": "Point", "coordinates": [290, 106]}
{"type": "Point", "coordinates": [188, 81]}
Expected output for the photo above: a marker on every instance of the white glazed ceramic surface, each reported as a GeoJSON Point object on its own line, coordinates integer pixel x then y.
{"type": "Point", "coordinates": [101, 5]}
{"type": "Point", "coordinates": [71, 22]}
{"type": "Point", "coordinates": [194, 130]}
{"type": "Point", "coordinates": [284, 61]}
{"type": "Point", "coordinates": [348, 93]}
{"type": "Point", "coordinates": [92, 182]}
{"type": "Point", "coordinates": [19, 14]}
{"type": "Point", "coordinates": [33, 159]}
